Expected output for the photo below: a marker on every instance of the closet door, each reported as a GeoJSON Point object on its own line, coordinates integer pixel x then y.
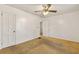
{"type": "Point", "coordinates": [5, 30]}
{"type": "Point", "coordinates": [8, 29]}
{"type": "Point", "coordinates": [12, 29]}
{"type": "Point", "coordinates": [0, 29]}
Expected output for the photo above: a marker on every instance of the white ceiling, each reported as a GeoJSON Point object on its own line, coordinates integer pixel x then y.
{"type": "Point", "coordinates": [61, 8]}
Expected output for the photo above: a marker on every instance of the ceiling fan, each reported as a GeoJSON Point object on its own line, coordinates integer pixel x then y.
{"type": "Point", "coordinates": [46, 9]}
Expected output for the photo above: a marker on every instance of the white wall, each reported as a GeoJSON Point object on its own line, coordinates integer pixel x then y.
{"type": "Point", "coordinates": [27, 25]}
{"type": "Point", "coordinates": [63, 26]}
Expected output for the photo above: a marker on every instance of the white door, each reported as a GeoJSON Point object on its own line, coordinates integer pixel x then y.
{"type": "Point", "coordinates": [5, 29]}
{"type": "Point", "coordinates": [0, 29]}
{"type": "Point", "coordinates": [12, 29]}
{"type": "Point", "coordinates": [8, 29]}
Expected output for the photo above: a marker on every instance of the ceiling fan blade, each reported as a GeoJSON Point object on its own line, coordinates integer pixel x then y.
{"type": "Point", "coordinates": [38, 11]}
{"type": "Point", "coordinates": [52, 11]}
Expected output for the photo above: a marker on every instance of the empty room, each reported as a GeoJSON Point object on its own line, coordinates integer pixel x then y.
{"type": "Point", "coordinates": [39, 28]}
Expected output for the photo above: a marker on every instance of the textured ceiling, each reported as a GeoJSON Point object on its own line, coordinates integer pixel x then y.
{"type": "Point", "coordinates": [61, 8]}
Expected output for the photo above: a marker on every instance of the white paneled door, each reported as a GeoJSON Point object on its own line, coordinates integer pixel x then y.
{"type": "Point", "coordinates": [0, 30]}
{"type": "Point", "coordinates": [8, 29]}
{"type": "Point", "coordinates": [12, 29]}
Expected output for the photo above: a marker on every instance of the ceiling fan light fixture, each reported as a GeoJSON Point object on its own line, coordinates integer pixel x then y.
{"type": "Point", "coordinates": [47, 8]}
{"type": "Point", "coordinates": [45, 13]}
